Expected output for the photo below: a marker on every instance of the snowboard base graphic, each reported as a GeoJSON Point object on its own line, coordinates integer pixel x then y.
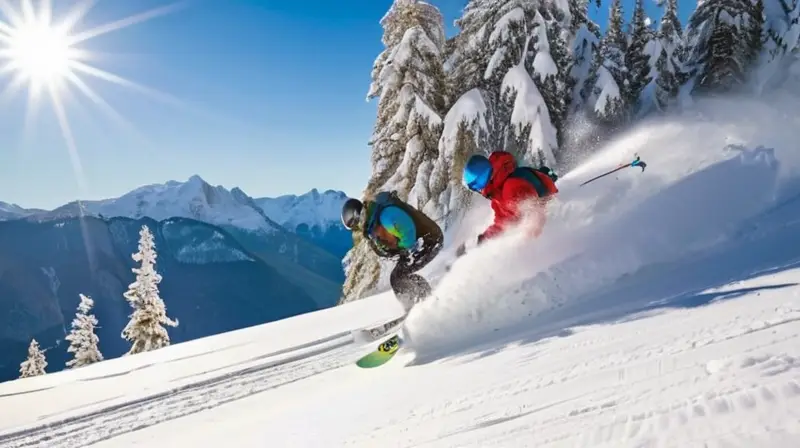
{"type": "Point", "coordinates": [382, 355]}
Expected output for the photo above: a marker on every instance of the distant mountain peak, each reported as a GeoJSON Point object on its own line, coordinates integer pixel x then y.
{"type": "Point", "coordinates": [194, 198]}
{"type": "Point", "coordinates": [13, 211]}
{"type": "Point", "coordinates": [313, 209]}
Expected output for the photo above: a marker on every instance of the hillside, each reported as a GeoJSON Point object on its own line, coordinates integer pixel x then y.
{"type": "Point", "coordinates": [45, 265]}
{"type": "Point", "coordinates": [312, 267]}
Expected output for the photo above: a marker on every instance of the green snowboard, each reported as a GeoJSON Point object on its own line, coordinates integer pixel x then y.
{"type": "Point", "coordinates": [382, 355]}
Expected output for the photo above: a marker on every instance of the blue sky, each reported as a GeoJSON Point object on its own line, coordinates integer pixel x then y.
{"type": "Point", "coordinates": [269, 96]}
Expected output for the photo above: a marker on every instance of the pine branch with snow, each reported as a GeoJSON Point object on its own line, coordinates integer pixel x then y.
{"type": "Point", "coordinates": [82, 338]}
{"type": "Point", "coordinates": [146, 327]}
{"type": "Point", "coordinates": [724, 40]}
{"type": "Point", "coordinates": [35, 364]}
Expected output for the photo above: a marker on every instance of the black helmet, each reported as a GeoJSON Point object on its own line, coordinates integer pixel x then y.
{"type": "Point", "coordinates": [351, 213]}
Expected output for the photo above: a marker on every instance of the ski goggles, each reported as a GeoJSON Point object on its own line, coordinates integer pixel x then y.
{"type": "Point", "coordinates": [478, 182]}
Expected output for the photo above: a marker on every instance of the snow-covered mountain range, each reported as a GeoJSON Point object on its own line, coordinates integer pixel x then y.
{"type": "Point", "coordinates": [197, 199]}
{"type": "Point", "coordinates": [313, 215]}
{"type": "Point", "coordinates": [14, 211]}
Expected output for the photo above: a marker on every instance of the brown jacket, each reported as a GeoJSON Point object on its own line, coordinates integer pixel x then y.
{"type": "Point", "coordinates": [427, 229]}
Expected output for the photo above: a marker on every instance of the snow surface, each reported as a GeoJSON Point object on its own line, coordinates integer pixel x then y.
{"type": "Point", "coordinates": [314, 209]}
{"type": "Point", "coordinates": [657, 309]}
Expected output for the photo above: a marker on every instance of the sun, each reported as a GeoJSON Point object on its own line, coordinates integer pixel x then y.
{"type": "Point", "coordinates": [41, 53]}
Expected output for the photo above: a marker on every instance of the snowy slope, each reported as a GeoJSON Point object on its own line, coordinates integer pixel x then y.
{"type": "Point", "coordinates": [312, 209]}
{"type": "Point", "coordinates": [658, 309]}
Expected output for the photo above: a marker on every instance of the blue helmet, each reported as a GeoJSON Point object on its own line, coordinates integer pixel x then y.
{"type": "Point", "coordinates": [477, 172]}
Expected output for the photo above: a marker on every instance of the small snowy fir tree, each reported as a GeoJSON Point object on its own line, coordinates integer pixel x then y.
{"type": "Point", "coordinates": [409, 80]}
{"type": "Point", "coordinates": [35, 364]}
{"type": "Point", "coordinates": [83, 340]}
{"type": "Point", "coordinates": [146, 328]}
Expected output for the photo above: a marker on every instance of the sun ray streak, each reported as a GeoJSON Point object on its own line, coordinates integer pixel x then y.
{"type": "Point", "coordinates": [101, 103]}
{"type": "Point", "coordinates": [124, 23]}
{"type": "Point", "coordinates": [76, 14]}
{"type": "Point", "coordinates": [31, 110]}
{"type": "Point", "coordinates": [66, 132]}
{"type": "Point", "coordinates": [116, 79]}
{"type": "Point", "coordinates": [10, 13]}
{"type": "Point", "coordinates": [28, 12]}
{"type": "Point", "coordinates": [47, 11]}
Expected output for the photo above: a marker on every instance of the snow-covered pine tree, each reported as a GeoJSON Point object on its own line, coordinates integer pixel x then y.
{"type": "Point", "coordinates": [637, 60]}
{"type": "Point", "coordinates": [670, 75]}
{"type": "Point", "coordinates": [551, 68]}
{"type": "Point", "coordinates": [495, 52]}
{"type": "Point", "coordinates": [779, 64]}
{"type": "Point", "coordinates": [721, 43]}
{"type": "Point", "coordinates": [146, 329]}
{"type": "Point", "coordinates": [36, 363]}
{"type": "Point", "coordinates": [755, 32]}
{"type": "Point", "coordinates": [409, 80]}
{"type": "Point", "coordinates": [608, 77]}
{"type": "Point", "coordinates": [82, 338]}
{"type": "Point", "coordinates": [585, 43]}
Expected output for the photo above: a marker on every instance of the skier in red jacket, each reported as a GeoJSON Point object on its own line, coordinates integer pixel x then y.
{"type": "Point", "coordinates": [515, 191]}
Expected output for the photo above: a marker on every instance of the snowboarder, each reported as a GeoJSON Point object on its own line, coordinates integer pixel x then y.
{"type": "Point", "coordinates": [507, 185]}
{"type": "Point", "coordinates": [395, 229]}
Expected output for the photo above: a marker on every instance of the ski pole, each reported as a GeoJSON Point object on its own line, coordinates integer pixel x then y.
{"type": "Point", "coordinates": [636, 162]}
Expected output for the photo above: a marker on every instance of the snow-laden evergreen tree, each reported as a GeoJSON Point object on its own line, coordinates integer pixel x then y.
{"type": "Point", "coordinates": [724, 41]}
{"type": "Point", "coordinates": [670, 75]}
{"type": "Point", "coordinates": [82, 338]}
{"type": "Point", "coordinates": [637, 61]}
{"type": "Point", "coordinates": [608, 77]}
{"type": "Point", "coordinates": [585, 43]}
{"type": "Point", "coordinates": [551, 68]}
{"type": "Point", "coordinates": [408, 78]}
{"type": "Point", "coordinates": [498, 41]}
{"type": "Point", "coordinates": [36, 363]}
{"type": "Point", "coordinates": [779, 63]}
{"type": "Point", "coordinates": [146, 329]}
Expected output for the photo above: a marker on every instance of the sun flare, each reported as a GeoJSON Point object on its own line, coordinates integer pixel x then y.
{"type": "Point", "coordinates": [43, 55]}
{"type": "Point", "coordinates": [40, 52]}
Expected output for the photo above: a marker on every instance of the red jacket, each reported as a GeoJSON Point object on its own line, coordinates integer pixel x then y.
{"type": "Point", "coordinates": [507, 193]}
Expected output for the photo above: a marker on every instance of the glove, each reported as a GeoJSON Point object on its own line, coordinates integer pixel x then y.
{"type": "Point", "coordinates": [481, 239]}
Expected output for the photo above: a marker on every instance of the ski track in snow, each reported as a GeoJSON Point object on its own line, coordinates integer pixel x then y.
{"type": "Point", "coordinates": [112, 421]}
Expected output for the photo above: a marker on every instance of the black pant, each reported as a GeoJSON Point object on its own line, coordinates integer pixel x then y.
{"type": "Point", "coordinates": [408, 287]}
